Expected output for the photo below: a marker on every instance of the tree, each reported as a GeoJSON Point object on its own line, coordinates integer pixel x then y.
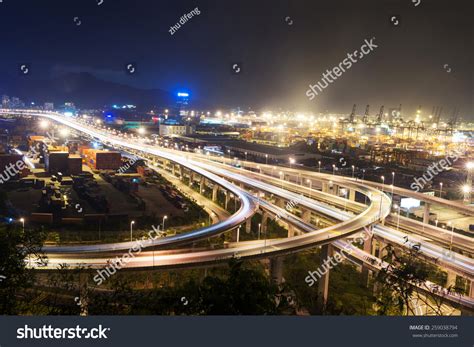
{"type": "Point", "coordinates": [17, 248]}
{"type": "Point", "coordinates": [402, 285]}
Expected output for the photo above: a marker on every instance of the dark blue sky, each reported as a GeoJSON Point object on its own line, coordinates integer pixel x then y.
{"type": "Point", "coordinates": [278, 60]}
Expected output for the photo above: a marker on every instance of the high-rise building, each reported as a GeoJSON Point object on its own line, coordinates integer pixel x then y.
{"type": "Point", "coordinates": [5, 101]}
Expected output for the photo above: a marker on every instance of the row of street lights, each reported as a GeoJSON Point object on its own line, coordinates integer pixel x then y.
{"type": "Point", "coordinates": [133, 222]}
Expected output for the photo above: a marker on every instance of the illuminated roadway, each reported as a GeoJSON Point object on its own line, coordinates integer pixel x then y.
{"type": "Point", "coordinates": [312, 237]}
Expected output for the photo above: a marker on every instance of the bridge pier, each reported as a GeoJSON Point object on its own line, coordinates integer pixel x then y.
{"type": "Point", "coordinates": [181, 172]}
{"type": "Point", "coordinates": [368, 247]}
{"type": "Point", "coordinates": [215, 189]}
{"type": "Point", "coordinates": [451, 279]}
{"type": "Point", "coordinates": [201, 184]}
{"type": "Point", "coordinates": [323, 282]}
{"type": "Point", "coordinates": [325, 187]}
{"type": "Point", "coordinates": [306, 215]}
{"type": "Point", "coordinates": [248, 226]}
{"type": "Point", "coordinates": [276, 269]}
{"type": "Point", "coordinates": [264, 221]}
{"type": "Point", "coordinates": [227, 198]}
{"type": "Point", "coordinates": [352, 194]}
{"type": "Point", "coordinates": [426, 213]}
{"type": "Point", "coordinates": [191, 177]}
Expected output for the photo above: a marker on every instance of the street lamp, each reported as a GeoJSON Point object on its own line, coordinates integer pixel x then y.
{"type": "Point", "coordinates": [398, 218]}
{"type": "Point", "coordinates": [310, 186]}
{"type": "Point", "coordinates": [466, 189]}
{"type": "Point", "coordinates": [131, 230]}
{"type": "Point", "coordinates": [164, 218]}
{"type": "Point", "coordinates": [440, 189]}
{"type": "Point", "coordinates": [266, 159]}
{"type": "Point", "coordinates": [245, 156]}
{"type": "Point", "coordinates": [353, 168]}
{"type": "Point", "coordinates": [319, 166]}
{"type": "Point", "coordinates": [22, 220]}
{"type": "Point", "coordinates": [238, 233]}
{"type": "Point", "coordinates": [292, 161]}
{"type": "Point", "coordinates": [259, 228]}
{"type": "Point", "coordinates": [333, 169]}
{"type": "Point", "coordinates": [452, 233]}
{"type": "Point", "coordinates": [383, 182]}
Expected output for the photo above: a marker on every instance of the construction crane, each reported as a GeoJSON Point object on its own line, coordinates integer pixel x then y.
{"type": "Point", "coordinates": [365, 119]}
{"type": "Point", "coordinates": [380, 115]}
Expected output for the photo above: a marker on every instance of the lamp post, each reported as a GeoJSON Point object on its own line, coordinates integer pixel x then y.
{"type": "Point", "coordinates": [452, 234]}
{"type": "Point", "coordinates": [163, 224]}
{"type": "Point", "coordinates": [292, 161]}
{"type": "Point", "coordinates": [441, 189]}
{"type": "Point", "coordinates": [245, 156]}
{"type": "Point", "coordinates": [353, 168]}
{"type": "Point", "coordinates": [319, 166]}
{"type": "Point", "coordinates": [131, 230]}
{"type": "Point", "coordinates": [259, 228]}
{"type": "Point", "coordinates": [398, 218]}
{"type": "Point", "coordinates": [266, 159]}
{"type": "Point", "coordinates": [381, 195]}
{"type": "Point", "coordinates": [22, 220]}
{"type": "Point", "coordinates": [333, 169]}
{"type": "Point", "coordinates": [238, 233]}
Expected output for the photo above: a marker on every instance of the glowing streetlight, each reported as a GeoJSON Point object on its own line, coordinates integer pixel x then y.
{"type": "Point", "coordinates": [333, 169]}
{"type": "Point", "coordinates": [266, 159]}
{"type": "Point", "coordinates": [164, 218]}
{"type": "Point", "coordinates": [259, 228]}
{"type": "Point", "coordinates": [319, 166]}
{"type": "Point", "coordinates": [131, 230]}
{"type": "Point", "coordinates": [44, 124]}
{"type": "Point", "coordinates": [141, 131]}
{"type": "Point", "coordinates": [292, 161]}
{"type": "Point", "coordinates": [395, 206]}
{"type": "Point", "coordinates": [310, 186]}
{"type": "Point", "coordinates": [353, 168]}
{"type": "Point", "coordinates": [22, 220]}
{"type": "Point", "coordinates": [440, 189]}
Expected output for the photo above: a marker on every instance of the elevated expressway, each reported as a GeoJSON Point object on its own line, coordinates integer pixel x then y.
{"type": "Point", "coordinates": [249, 204]}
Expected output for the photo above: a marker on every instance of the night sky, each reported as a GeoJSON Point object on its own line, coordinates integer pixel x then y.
{"type": "Point", "coordinates": [278, 60]}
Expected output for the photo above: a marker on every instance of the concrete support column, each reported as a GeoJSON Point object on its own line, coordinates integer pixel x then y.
{"type": "Point", "coordinates": [335, 189]}
{"type": "Point", "coordinates": [280, 202]}
{"type": "Point", "coordinates": [426, 213]}
{"type": "Point", "coordinates": [191, 178]}
{"type": "Point", "coordinates": [325, 187]}
{"type": "Point", "coordinates": [181, 172]}
{"type": "Point", "coordinates": [173, 169]}
{"type": "Point", "coordinates": [227, 198]}
{"type": "Point", "coordinates": [201, 184]}
{"type": "Point", "coordinates": [323, 282]}
{"type": "Point", "coordinates": [352, 194]}
{"type": "Point", "coordinates": [264, 221]}
{"type": "Point", "coordinates": [276, 269]}
{"type": "Point", "coordinates": [215, 189]}
{"type": "Point", "coordinates": [368, 247]}
{"type": "Point", "coordinates": [306, 215]}
{"type": "Point", "coordinates": [291, 231]}
{"type": "Point", "coordinates": [471, 290]}
{"type": "Point", "coordinates": [248, 226]}
{"type": "Point", "coordinates": [451, 279]}
{"type": "Point", "coordinates": [236, 234]}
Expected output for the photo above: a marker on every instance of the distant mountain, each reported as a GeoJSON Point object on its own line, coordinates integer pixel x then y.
{"type": "Point", "coordinates": [83, 89]}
